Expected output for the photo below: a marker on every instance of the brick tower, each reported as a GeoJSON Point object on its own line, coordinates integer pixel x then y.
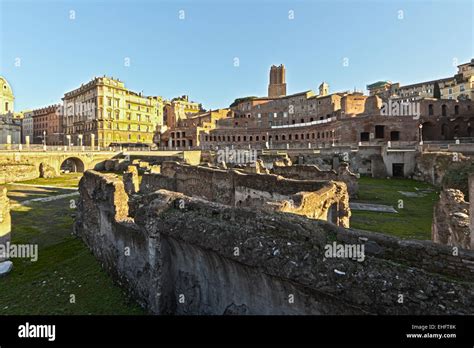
{"type": "Point", "coordinates": [277, 85]}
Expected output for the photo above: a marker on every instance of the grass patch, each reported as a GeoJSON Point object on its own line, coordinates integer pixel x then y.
{"type": "Point", "coordinates": [65, 267]}
{"type": "Point", "coordinates": [65, 180]}
{"type": "Point", "coordinates": [413, 221]}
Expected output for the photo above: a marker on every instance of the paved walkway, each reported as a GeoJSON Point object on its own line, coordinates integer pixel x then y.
{"type": "Point", "coordinates": [372, 207]}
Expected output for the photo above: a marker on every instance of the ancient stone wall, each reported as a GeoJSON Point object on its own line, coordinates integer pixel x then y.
{"type": "Point", "coordinates": [11, 172]}
{"type": "Point", "coordinates": [191, 256]}
{"type": "Point", "coordinates": [432, 166]}
{"type": "Point", "coordinates": [327, 200]}
{"type": "Point", "coordinates": [312, 172]}
{"type": "Point", "coordinates": [5, 219]}
{"type": "Point", "coordinates": [130, 180]}
{"type": "Point", "coordinates": [451, 220]}
{"type": "Point", "coordinates": [471, 208]}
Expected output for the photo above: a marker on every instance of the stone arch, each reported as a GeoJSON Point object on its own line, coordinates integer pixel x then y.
{"type": "Point", "coordinates": [73, 164]}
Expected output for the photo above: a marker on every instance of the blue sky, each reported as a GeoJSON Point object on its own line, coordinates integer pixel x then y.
{"type": "Point", "coordinates": [170, 56]}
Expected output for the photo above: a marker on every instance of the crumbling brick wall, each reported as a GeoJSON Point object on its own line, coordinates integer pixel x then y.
{"type": "Point", "coordinates": [5, 219]}
{"type": "Point", "coordinates": [319, 199]}
{"type": "Point", "coordinates": [12, 172]}
{"type": "Point", "coordinates": [432, 166]}
{"type": "Point", "coordinates": [471, 208]}
{"type": "Point", "coordinates": [191, 256]}
{"type": "Point", "coordinates": [312, 172]}
{"type": "Point", "coordinates": [451, 220]}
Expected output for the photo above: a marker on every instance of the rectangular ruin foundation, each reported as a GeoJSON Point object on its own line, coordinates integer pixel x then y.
{"type": "Point", "coordinates": [182, 255]}
{"type": "Point", "coordinates": [317, 199]}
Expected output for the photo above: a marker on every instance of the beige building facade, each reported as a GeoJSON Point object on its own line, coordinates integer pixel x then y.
{"type": "Point", "coordinates": [103, 112]}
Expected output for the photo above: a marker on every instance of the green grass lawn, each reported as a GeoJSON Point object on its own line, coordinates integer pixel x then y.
{"type": "Point", "coordinates": [65, 180]}
{"type": "Point", "coordinates": [413, 221]}
{"type": "Point", "coordinates": [65, 267]}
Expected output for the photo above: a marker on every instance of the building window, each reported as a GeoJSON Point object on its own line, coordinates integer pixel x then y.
{"type": "Point", "coordinates": [379, 132]}
{"type": "Point", "coordinates": [430, 110]}
{"type": "Point", "coordinates": [456, 109]}
{"type": "Point", "coordinates": [364, 136]}
{"type": "Point", "coordinates": [443, 110]}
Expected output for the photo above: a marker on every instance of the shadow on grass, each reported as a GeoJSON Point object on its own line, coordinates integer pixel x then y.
{"type": "Point", "coordinates": [65, 270]}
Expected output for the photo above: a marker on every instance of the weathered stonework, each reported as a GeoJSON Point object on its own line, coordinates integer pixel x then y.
{"type": "Point", "coordinates": [471, 208]}
{"type": "Point", "coordinates": [5, 226]}
{"type": "Point", "coordinates": [46, 171]}
{"type": "Point", "coordinates": [318, 199]}
{"type": "Point", "coordinates": [11, 172]}
{"type": "Point", "coordinates": [451, 220]}
{"type": "Point", "coordinates": [432, 166]}
{"type": "Point", "coordinates": [191, 256]}
{"type": "Point", "coordinates": [312, 172]}
{"type": "Point", "coordinates": [130, 180]}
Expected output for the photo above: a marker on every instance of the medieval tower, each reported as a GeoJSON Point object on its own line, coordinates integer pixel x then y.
{"type": "Point", "coordinates": [323, 89]}
{"type": "Point", "coordinates": [277, 85]}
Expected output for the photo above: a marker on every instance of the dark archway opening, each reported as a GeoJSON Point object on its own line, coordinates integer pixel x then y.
{"type": "Point", "coordinates": [445, 132]}
{"type": "Point", "coordinates": [398, 170]}
{"type": "Point", "coordinates": [72, 165]}
{"type": "Point", "coordinates": [429, 131]}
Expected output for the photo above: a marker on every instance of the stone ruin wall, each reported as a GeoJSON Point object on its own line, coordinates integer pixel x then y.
{"type": "Point", "coordinates": [185, 246]}
{"type": "Point", "coordinates": [12, 172]}
{"type": "Point", "coordinates": [312, 172]}
{"type": "Point", "coordinates": [431, 167]}
{"type": "Point", "coordinates": [452, 213]}
{"type": "Point", "coordinates": [471, 209]}
{"type": "Point", "coordinates": [451, 220]}
{"type": "Point", "coordinates": [326, 200]}
{"type": "Point", "coordinates": [5, 218]}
